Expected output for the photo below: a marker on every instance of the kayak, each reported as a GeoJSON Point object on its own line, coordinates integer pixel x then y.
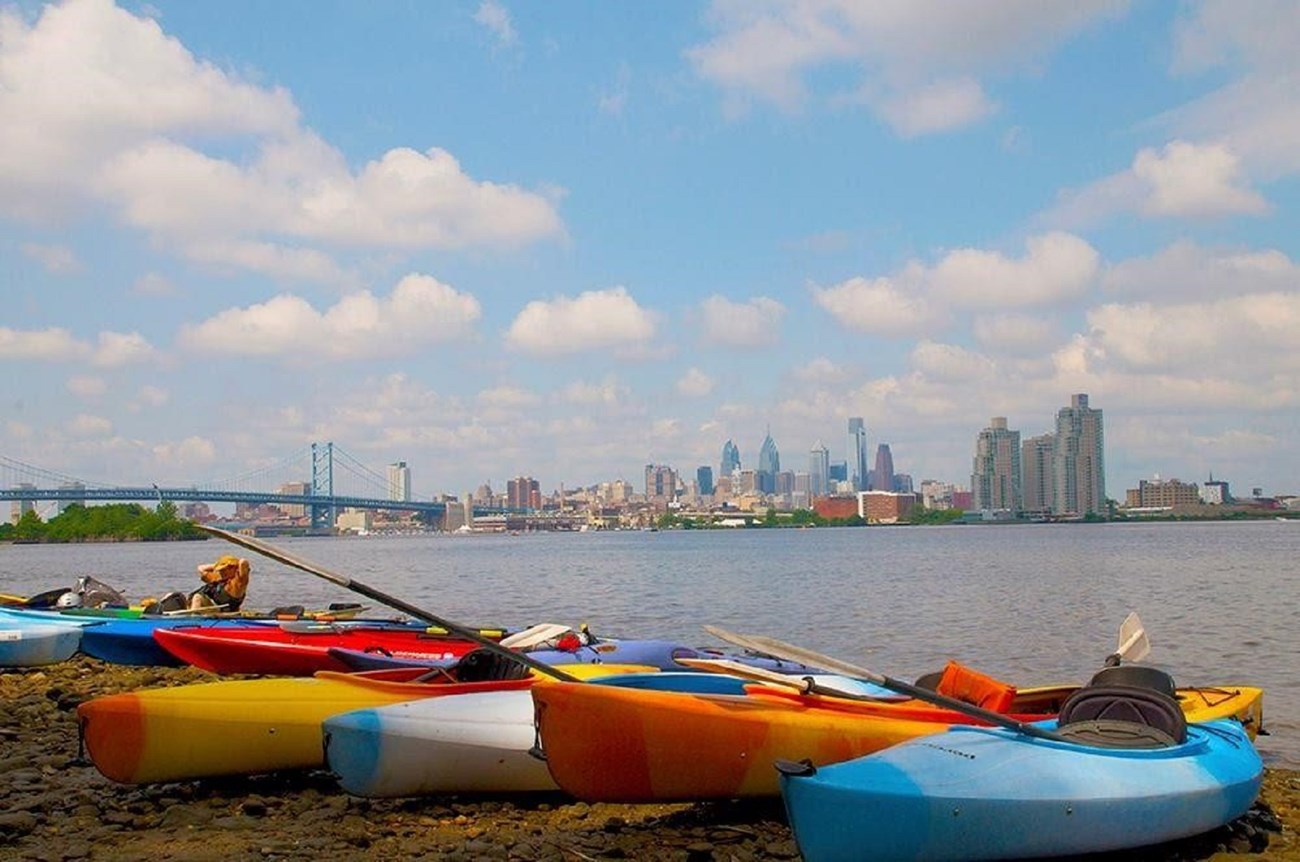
{"type": "Point", "coordinates": [665, 655]}
{"type": "Point", "coordinates": [609, 744]}
{"type": "Point", "coordinates": [131, 641]}
{"type": "Point", "coordinates": [32, 644]}
{"type": "Point", "coordinates": [992, 793]}
{"type": "Point", "coordinates": [241, 727]}
{"type": "Point", "coordinates": [472, 743]}
{"type": "Point", "coordinates": [300, 649]}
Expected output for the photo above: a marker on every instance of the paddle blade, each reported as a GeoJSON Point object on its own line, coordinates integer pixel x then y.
{"type": "Point", "coordinates": [781, 649]}
{"type": "Point", "coordinates": [1133, 642]}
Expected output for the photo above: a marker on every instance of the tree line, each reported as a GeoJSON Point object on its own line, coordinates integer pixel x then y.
{"type": "Point", "coordinates": [122, 522]}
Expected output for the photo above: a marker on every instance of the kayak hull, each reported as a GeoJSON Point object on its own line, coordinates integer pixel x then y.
{"type": "Point", "coordinates": [236, 727]}
{"type": "Point", "coordinates": [606, 744]}
{"type": "Point", "coordinates": [990, 793]}
{"type": "Point", "coordinates": [31, 644]}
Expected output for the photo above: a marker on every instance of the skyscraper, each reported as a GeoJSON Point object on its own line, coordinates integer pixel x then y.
{"type": "Point", "coordinates": [730, 459]}
{"type": "Point", "coordinates": [819, 470]}
{"type": "Point", "coordinates": [882, 478]}
{"type": "Point", "coordinates": [1078, 460]}
{"type": "Point", "coordinates": [523, 492]}
{"type": "Point", "coordinates": [399, 481]}
{"type": "Point", "coordinates": [704, 479]}
{"type": "Point", "coordinates": [769, 464]}
{"type": "Point", "coordinates": [856, 454]}
{"type": "Point", "coordinates": [660, 484]}
{"type": "Point", "coordinates": [1036, 473]}
{"type": "Point", "coordinates": [995, 471]}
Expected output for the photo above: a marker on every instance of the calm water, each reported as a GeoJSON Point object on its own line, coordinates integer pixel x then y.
{"type": "Point", "coordinates": [1033, 604]}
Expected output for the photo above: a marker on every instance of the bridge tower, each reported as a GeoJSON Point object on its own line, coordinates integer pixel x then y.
{"type": "Point", "coordinates": [322, 485]}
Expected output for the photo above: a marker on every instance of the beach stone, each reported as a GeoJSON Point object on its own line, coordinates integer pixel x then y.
{"type": "Point", "coordinates": [17, 823]}
{"type": "Point", "coordinates": [184, 815]}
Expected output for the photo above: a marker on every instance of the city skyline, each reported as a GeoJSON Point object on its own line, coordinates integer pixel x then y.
{"type": "Point", "coordinates": [496, 238]}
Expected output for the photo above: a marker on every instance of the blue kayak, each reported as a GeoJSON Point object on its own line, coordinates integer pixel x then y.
{"type": "Point", "coordinates": [29, 641]}
{"type": "Point", "coordinates": [992, 793]}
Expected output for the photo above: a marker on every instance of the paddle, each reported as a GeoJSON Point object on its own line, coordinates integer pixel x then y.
{"type": "Point", "coordinates": [804, 684]}
{"type": "Point", "coordinates": [772, 646]}
{"type": "Point", "coordinates": [1133, 642]}
{"type": "Point", "coordinates": [369, 592]}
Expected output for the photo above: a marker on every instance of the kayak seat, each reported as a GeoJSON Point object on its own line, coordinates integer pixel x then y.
{"type": "Point", "coordinates": [929, 680]}
{"type": "Point", "coordinates": [1122, 716]}
{"type": "Point", "coordinates": [1136, 675]}
{"type": "Point", "coordinates": [482, 665]}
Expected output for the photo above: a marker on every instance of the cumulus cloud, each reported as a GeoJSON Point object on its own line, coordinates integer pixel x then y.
{"type": "Point", "coordinates": [154, 284]}
{"type": "Point", "coordinates": [608, 392]}
{"type": "Point", "coordinates": [594, 320]}
{"type": "Point", "coordinates": [917, 64]}
{"type": "Point", "coordinates": [150, 132]}
{"type": "Point", "coordinates": [756, 323]}
{"type": "Point", "coordinates": [185, 455]}
{"type": "Point", "coordinates": [1186, 270]}
{"type": "Point", "coordinates": [1182, 180]}
{"type": "Point", "coordinates": [950, 362]}
{"type": "Point", "coordinates": [695, 383]}
{"type": "Point", "coordinates": [1017, 334]}
{"type": "Point", "coordinates": [149, 396]}
{"type": "Point", "coordinates": [508, 397]}
{"type": "Point", "coordinates": [86, 425]}
{"type": "Point", "coordinates": [111, 349]}
{"type": "Point", "coordinates": [87, 387]}
{"type": "Point", "coordinates": [496, 20]}
{"type": "Point", "coordinates": [56, 259]}
{"type": "Point", "coordinates": [1056, 267]}
{"type": "Point", "coordinates": [420, 311]}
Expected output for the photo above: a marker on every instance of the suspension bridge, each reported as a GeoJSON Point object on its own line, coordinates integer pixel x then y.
{"type": "Point", "coordinates": [322, 479]}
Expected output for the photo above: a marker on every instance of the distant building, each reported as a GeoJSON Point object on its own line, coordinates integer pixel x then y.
{"type": "Point", "coordinates": [882, 478]}
{"type": "Point", "coordinates": [819, 470]}
{"type": "Point", "coordinates": [836, 507]}
{"type": "Point", "coordinates": [1215, 492]}
{"type": "Point", "coordinates": [79, 496]}
{"type": "Point", "coordinates": [1078, 460]}
{"type": "Point", "coordinates": [995, 470]}
{"type": "Point", "coordinates": [936, 495]}
{"type": "Point", "coordinates": [399, 482]}
{"type": "Point", "coordinates": [296, 489]}
{"type": "Point", "coordinates": [1036, 473]}
{"type": "Point", "coordinates": [18, 508]}
{"type": "Point", "coordinates": [856, 454]}
{"type": "Point", "coordinates": [660, 485]}
{"type": "Point", "coordinates": [769, 464]}
{"type": "Point", "coordinates": [885, 507]}
{"type": "Point", "coordinates": [962, 499]}
{"type": "Point", "coordinates": [839, 473]}
{"type": "Point", "coordinates": [523, 492]}
{"type": "Point", "coordinates": [704, 480]}
{"type": "Point", "coordinates": [1164, 493]}
{"type": "Point", "coordinates": [730, 459]}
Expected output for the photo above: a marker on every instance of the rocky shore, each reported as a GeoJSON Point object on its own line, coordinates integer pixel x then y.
{"type": "Point", "coordinates": [55, 806]}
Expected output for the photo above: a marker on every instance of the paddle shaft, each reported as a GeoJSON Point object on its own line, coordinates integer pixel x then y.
{"type": "Point", "coordinates": [772, 646]}
{"type": "Point", "coordinates": [393, 602]}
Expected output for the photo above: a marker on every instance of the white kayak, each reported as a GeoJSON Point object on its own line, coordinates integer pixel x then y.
{"type": "Point", "coordinates": [24, 643]}
{"type": "Point", "coordinates": [471, 743]}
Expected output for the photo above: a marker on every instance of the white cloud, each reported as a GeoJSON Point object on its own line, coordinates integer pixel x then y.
{"type": "Point", "coordinates": [185, 456]}
{"type": "Point", "coordinates": [820, 370]}
{"type": "Point", "coordinates": [949, 362]}
{"type": "Point", "coordinates": [918, 63]}
{"type": "Point", "coordinates": [153, 284]}
{"type": "Point", "coordinates": [756, 323]}
{"type": "Point", "coordinates": [87, 387]}
{"type": "Point", "coordinates": [149, 396]}
{"type": "Point", "coordinates": [695, 383]}
{"type": "Point", "coordinates": [420, 311]}
{"type": "Point", "coordinates": [54, 344]}
{"type": "Point", "coordinates": [1195, 180]}
{"type": "Point", "coordinates": [135, 137]}
{"type": "Point", "coordinates": [496, 19]}
{"type": "Point", "coordinates": [595, 319]}
{"type": "Point", "coordinates": [116, 349]}
{"type": "Point", "coordinates": [86, 425]}
{"type": "Point", "coordinates": [1056, 266]}
{"type": "Point", "coordinates": [1185, 271]}
{"type": "Point", "coordinates": [57, 259]}
{"type": "Point", "coordinates": [892, 308]}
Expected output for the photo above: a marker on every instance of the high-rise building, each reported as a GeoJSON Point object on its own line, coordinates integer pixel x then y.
{"type": "Point", "coordinates": [769, 464]}
{"type": "Point", "coordinates": [18, 508]}
{"type": "Point", "coordinates": [296, 489]}
{"type": "Point", "coordinates": [819, 470]}
{"type": "Point", "coordinates": [995, 471]}
{"type": "Point", "coordinates": [856, 454]}
{"type": "Point", "coordinates": [660, 484]}
{"type": "Point", "coordinates": [882, 478]}
{"type": "Point", "coordinates": [1036, 473]}
{"type": "Point", "coordinates": [399, 481]}
{"type": "Point", "coordinates": [1078, 460]}
{"type": "Point", "coordinates": [704, 480]}
{"type": "Point", "coordinates": [730, 459]}
{"type": "Point", "coordinates": [523, 492]}
{"type": "Point", "coordinates": [79, 499]}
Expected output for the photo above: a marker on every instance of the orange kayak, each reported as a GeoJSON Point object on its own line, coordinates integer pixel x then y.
{"type": "Point", "coordinates": [610, 744]}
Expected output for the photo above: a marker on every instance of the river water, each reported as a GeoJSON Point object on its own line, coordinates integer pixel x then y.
{"type": "Point", "coordinates": [1028, 603]}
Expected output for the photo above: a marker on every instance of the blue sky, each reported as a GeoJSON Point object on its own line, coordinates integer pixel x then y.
{"type": "Point", "coordinates": [567, 240]}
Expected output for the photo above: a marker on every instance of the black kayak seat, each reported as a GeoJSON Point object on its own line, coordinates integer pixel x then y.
{"type": "Point", "coordinates": [1137, 676]}
{"type": "Point", "coordinates": [1122, 716]}
{"type": "Point", "coordinates": [482, 665]}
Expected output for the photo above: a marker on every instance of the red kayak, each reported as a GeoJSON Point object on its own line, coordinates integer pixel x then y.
{"type": "Point", "coordinates": [296, 649]}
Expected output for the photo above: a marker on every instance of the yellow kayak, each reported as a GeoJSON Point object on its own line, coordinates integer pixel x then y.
{"type": "Point", "coordinates": [242, 727]}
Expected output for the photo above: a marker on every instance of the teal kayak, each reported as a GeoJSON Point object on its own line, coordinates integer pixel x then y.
{"type": "Point", "coordinates": [993, 793]}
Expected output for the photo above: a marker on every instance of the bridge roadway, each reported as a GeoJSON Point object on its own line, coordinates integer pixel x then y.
{"type": "Point", "coordinates": [196, 495]}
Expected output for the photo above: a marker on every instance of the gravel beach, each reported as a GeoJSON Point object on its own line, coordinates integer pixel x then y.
{"type": "Point", "coordinates": [55, 806]}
